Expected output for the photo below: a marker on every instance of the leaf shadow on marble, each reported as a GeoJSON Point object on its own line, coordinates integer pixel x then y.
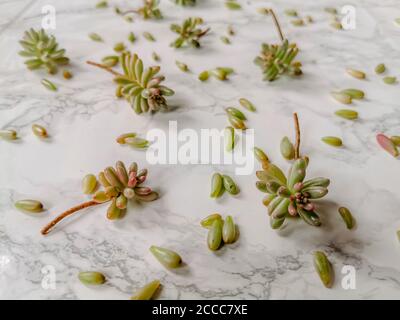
{"type": "Point", "coordinates": [182, 270]}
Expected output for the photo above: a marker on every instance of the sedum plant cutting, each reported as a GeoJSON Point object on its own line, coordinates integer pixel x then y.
{"type": "Point", "coordinates": [139, 86]}
{"type": "Point", "coordinates": [291, 196]}
{"type": "Point", "coordinates": [149, 10]}
{"type": "Point", "coordinates": [119, 186]}
{"type": "Point", "coordinates": [42, 51]}
{"type": "Point", "coordinates": [278, 59]}
{"type": "Point", "coordinates": [189, 33]}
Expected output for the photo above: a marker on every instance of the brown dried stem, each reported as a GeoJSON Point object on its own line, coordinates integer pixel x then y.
{"type": "Point", "coordinates": [277, 24]}
{"type": "Point", "coordinates": [297, 129]}
{"type": "Point", "coordinates": [203, 33]}
{"type": "Point", "coordinates": [65, 214]}
{"type": "Point", "coordinates": [102, 66]}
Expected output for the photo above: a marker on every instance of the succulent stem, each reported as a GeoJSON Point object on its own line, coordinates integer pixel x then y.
{"type": "Point", "coordinates": [277, 24]}
{"type": "Point", "coordinates": [297, 128]}
{"type": "Point", "coordinates": [104, 67]}
{"type": "Point", "coordinates": [204, 32]}
{"type": "Point", "coordinates": [124, 13]}
{"type": "Point", "coordinates": [65, 214]}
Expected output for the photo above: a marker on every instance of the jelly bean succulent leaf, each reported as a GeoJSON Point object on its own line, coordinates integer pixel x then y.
{"type": "Point", "coordinates": [189, 33]}
{"type": "Point", "coordinates": [139, 86]}
{"type": "Point", "coordinates": [119, 186]}
{"type": "Point", "coordinates": [42, 51]}
{"type": "Point", "coordinates": [185, 2]}
{"type": "Point", "coordinates": [278, 59]}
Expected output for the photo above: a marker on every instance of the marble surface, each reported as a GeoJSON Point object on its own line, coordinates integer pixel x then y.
{"type": "Point", "coordinates": [83, 119]}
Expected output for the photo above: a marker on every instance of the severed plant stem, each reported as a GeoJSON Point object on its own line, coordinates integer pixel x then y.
{"type": "Point", "coordinates": [102, 66]}
{"type": "Point", "coordinates": [65, 214]}
{"type": "Point", "coordinates": [204, 32]}
{"type": "Point", "coordinates": [277, 24]}
{"type": "Point", "coordinates": [124, 13]}
{"type": "Point", "coordinates": [297, 129]}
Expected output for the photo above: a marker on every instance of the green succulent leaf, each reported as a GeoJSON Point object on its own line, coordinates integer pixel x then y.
{"type": "Point", "coordinates": [268, 198]}
{"type": "Point", "coordinates": [316, 182]}
{"type": "Point", "coordinates": [272, 186]}
{"type": "Point", "coordinates": [281, 209]}
{"type": "Point", "coordinates": [273, 204]}
{"type": "Point", "coordinates": [287, 148]}
{"type": "Point", "coordinates": [147, 292]}
{"type": "Point", "coordinates": [309, 217]}
{"type": "Point", "coordinates": [276, 223]}
{"type": "Point", "coordinates": [315, 192]}
{"type": "Point", "coordinates": [185, 2]}
{"type": "Point", "coordinates": [297, 173]}
{"type": "Point", "coordinates": [272, 173]}
{"type": "Point", "coordinates": [324, 268]}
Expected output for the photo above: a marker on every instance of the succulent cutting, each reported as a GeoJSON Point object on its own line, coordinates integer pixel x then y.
{"type": "Point", "coordinates": [119, 186]}
{"type": "Point", "coordinates": [149, 10]}
{"type": "Point", "coordinates": [189, 33]}
{"type": "Point", "coordinates": [278, 59]}
{"type": "Point", "coordinates": [291, 196]}
{"type": "Point", "coordinates": [42, 51]}
{"type": "Point", "coordinates": [139, 86]}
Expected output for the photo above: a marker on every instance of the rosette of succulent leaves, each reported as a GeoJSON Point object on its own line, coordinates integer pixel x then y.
{"type": "Point", "coordinates": [149, 10]}
{"type": "Point", "coordinates": [189, 32]}
{"type": "Point", "coordinates": [276, 60]}
{"type": "Point", "coordinates": [42, 51]}
{"type": "Point", "coordinates": [290, 196]}
{"type": "Point", "coordinates": [119, 186]}
{"type": "Point", "coordinates": [141, 87]}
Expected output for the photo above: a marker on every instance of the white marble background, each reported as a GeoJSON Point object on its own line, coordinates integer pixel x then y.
{"type": "Point", "coordinates": [83, 119]}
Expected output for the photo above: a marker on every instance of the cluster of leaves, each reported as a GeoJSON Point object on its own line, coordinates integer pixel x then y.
{"type": "Point", "coordinates": [290, 196]}
{"type": "Point", "coordinates": [189, 33]}
{"type": "Point", "coordinates": [121, 185]}
{"type": "Point", "coordinates": [150, 10]}
{"type": "Point", "coordinates": [141, 87]}
{"type": "Point", "coordinates": [278, 59]}
{"type": "Point", "coordinates": [42, 51]}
